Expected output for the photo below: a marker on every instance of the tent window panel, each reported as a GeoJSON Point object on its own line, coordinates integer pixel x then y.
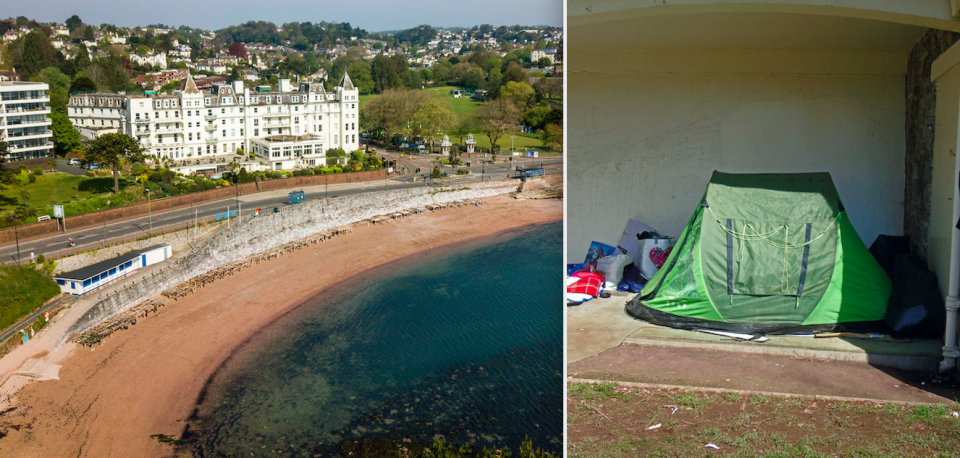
{"type": "Point", "coordinates": [683, 283]}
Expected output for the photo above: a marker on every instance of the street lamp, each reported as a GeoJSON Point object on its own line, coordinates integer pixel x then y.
{"type": "Point", "coordinates": [149, 212]}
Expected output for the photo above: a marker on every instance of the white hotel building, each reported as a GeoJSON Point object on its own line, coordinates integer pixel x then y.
{"type": "Point", "coordinates": [288, 128]}
{"type": "Point", "coordinates": [25, 120]}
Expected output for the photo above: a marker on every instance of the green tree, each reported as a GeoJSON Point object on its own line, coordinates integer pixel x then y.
{"type": "Point", "coordinates": [392, 111]}
{"type": "Point", "coordinates": [114, 150]}
{"type": "Point", "coordinates": [65, 137]}
{"type": "Point", "coordinates": [360, 75]}
{"type": "Point", "coordinates": [548, 88]}
{"type": "Point", "coordinates": [515, 72]}
{"type": "Point", "coordinates": [536, 117]}
{"type": "Point", "coordinates": [521, 94]}
{"type": "Point", "coordinates": [73, 22]}
{"type": "Point", "coordinates": [82, 83]}
{"type": "Point", "coordinates": [36, 54]}
{"type": "Point", "coordinates": [433, 116]}
{"type": "Point", "coordinates": [88, 33]}
{"type": "Point", "coordinates": [552, 137]}
{"type": "Point", "coordinates": [498, 116]}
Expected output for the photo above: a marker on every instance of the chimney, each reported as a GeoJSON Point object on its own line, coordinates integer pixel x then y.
{"type": "Point", "coordinates": [285, 85]}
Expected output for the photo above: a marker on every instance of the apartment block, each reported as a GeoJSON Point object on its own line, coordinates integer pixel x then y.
{"type": "Point", "coordinates": [25, 120]}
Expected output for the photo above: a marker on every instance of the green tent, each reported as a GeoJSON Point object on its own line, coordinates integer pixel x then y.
{"type": "Point", "coordinates": [768, 253]}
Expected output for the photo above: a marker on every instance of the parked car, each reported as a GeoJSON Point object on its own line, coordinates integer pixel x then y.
{"type": "Point", "coordinates": [93, 166]}
{"type": "Point", "coordinates": [73, 161]}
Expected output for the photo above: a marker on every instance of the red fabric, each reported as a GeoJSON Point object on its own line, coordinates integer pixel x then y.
{"type": "Point", "coordinates": [589, 283]}
{"type": "Point", "coordinates": [584, 274]}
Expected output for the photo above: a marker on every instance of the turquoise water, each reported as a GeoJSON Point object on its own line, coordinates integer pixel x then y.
{"type": "Point", "coordinates": [466, 345]}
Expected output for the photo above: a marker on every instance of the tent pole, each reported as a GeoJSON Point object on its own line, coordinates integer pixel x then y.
{"type": "Point", "coordinates": [950, 350]}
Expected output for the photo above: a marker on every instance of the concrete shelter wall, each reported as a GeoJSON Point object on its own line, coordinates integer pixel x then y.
{"type": "Point", "coordinates": [646, 130]}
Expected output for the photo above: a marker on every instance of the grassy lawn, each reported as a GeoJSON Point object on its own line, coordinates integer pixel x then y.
{"type": "Point", "coordinates": [521, 143]}
{"type": "Point", "coordinates": [23, 290]}
{"type": "Point", "coordinates": [78, 194]}
{"type": "Point", "coordinates": [464, 107]}
{"type": "Point", "coordinates": [609, 421]}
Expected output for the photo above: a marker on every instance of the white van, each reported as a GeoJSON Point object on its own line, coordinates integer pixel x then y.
{"type": "Point", "coordinates": [456, 94]}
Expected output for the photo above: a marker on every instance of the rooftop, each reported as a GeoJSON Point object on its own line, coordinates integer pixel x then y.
{"type": "Point", "coordinates": [20, 83]}
{"type": "Point", "coordinates": [84, 273]}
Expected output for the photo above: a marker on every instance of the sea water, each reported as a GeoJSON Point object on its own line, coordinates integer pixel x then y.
{"type": "Point", "coordinates": [463, 344]}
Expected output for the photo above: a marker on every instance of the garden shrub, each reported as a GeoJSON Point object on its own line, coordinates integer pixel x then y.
{"type": "Point", "coordinates": [38, 171]}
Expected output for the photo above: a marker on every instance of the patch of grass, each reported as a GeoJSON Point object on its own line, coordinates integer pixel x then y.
{"type": "Point", "coordinates": [796, 403]}
{"type": "Point", "coordinates": [758, 400]}
{"type": "Point", "coordinates": [602, 390]}
{"type": "Point", "coordinates": [732, 397]}
{"type": "Point", "coordinates": [78, 194]}
{"type": "Point", "coordinates": [928, 415]}
{"type": "Point", "coordinates": [693, 400]}
{"type": "Point", "coordinates": [745, 439]}
{"type": "Point", "coordinates": [742, 420]}
{"type": "Point", "coordinates": [23, 290]}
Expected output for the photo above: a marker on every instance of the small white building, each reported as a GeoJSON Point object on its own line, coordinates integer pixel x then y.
{"type": "Point", "coordinates": [89, 278]}
{"type": "Point", "coordinates": [154, 60]}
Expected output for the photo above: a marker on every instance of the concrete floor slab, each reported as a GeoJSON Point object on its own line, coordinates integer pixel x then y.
{"type": "Point", "coordinates": [596, 326]}
{"type": "Point", "coordinates": [922, 354]}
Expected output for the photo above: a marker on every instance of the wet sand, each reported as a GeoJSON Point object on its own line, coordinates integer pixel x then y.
{"type": "Point", "coordinates": [145, 381]}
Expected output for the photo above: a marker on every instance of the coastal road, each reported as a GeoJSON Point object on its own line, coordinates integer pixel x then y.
{"type": "Point", "coordinates": [95, 237]}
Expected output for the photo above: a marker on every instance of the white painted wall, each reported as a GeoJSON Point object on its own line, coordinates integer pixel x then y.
{"type": "Point", "coordinates": [646, 130]}
{"type": "Point", "coordinates": [944, 181]}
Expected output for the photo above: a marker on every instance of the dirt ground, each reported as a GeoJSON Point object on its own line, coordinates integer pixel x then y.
{"type": "Point", "coordinates": [608, 421]}
{"type": "Point", "coordinates": [145, 381]}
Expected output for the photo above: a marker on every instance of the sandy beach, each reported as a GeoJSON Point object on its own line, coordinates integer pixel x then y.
{"type": "Point", "coordinates": [145, 381]}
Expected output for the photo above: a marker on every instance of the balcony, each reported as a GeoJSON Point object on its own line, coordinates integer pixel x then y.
{"type": "Point", "coordinates": [29, 134]}
{"type": "Point", "coordinates": [212, 139]}
{"type": "Point", "coordinates": [276, 124]}
{"type": "Point", "coordinates": [142, 120]}
{"type": "Point", "coordinates": [146, 143]}
{"type": "Point", "coordinates": [209, 117]}
{"type": "Point", "coordinates": [27, 110]}
{"type": "Point", "coordinates": [210, 128]}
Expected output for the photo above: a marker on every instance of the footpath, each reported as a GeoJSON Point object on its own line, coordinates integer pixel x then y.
{"type": "Point", "coordinates": [606, 344]}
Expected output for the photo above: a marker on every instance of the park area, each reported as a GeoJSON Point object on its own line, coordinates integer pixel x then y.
{"type": "Point", "coordinates": [606, 420]}
{"type": "Point", "coordinates": [78, 194]}
{"type": "Point", "coordinates": [465, 111]}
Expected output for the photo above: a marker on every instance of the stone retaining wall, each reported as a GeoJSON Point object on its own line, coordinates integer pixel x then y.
{"type": "Point", "coordinates": [109, 215]}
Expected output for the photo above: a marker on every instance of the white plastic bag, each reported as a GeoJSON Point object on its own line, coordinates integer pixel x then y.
{"type": "Point", "coordinates": [611, 267]}
{"type": "Point", "coordinates": [647, 268]}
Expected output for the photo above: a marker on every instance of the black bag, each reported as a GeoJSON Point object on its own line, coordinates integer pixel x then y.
{"type": "Point", "coordinates": [886, 248]}
{"type": "Point", "coordinates": [915, 309]}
